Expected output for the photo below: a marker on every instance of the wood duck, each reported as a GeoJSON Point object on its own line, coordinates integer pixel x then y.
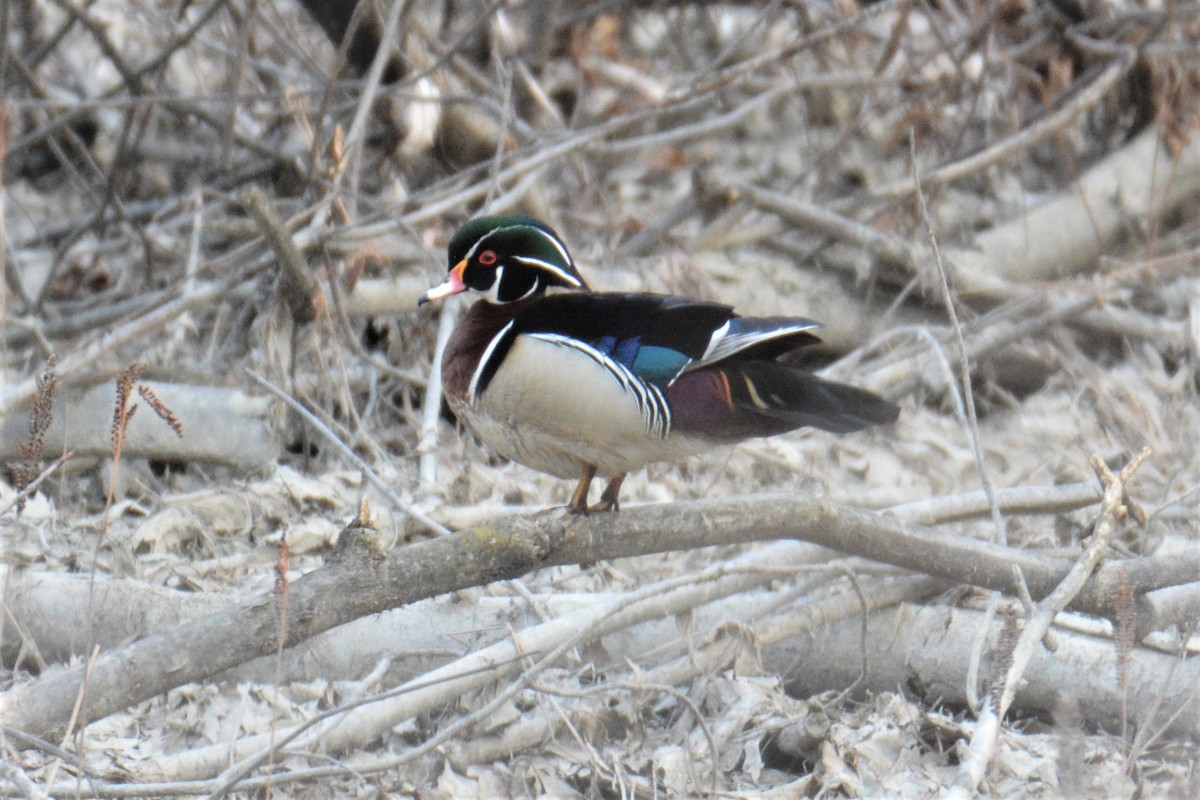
{"type": "Point", "coordinates": [580, 383]}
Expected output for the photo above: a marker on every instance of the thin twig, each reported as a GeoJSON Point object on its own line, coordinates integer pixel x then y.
{"type": "Point", "coordinates": [356, 136]}
{"type": "Point", "coordinates": [1022, 141]}
{"type": "Point", "coordinates": [987, 727]}
{"type": "Point", "coordinates": [33, 485]}
{"type": "Point", "coordinates": [347, 453]}
{"type": "Point", "coordinates": [431, 410]}
{"type": "Point", "coordinates": [964, 362]}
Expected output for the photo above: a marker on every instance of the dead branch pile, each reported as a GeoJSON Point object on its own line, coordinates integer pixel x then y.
{"type": "Point", "coordinates": [218, 217]}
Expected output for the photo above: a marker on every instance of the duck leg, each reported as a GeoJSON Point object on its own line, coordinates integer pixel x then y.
{"type": "Point", "coordinates": [608, 500]}
{"type": "Point", "coordinates": [578, 504]}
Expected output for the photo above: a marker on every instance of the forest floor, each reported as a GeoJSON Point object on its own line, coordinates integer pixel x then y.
{"type": "Point", "coordinates": [991, 207]}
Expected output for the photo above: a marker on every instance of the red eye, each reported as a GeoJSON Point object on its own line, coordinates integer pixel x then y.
{"type": "Point", "coordinates": [487, 258]}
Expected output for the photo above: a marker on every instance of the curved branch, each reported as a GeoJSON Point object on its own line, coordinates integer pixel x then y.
{"type": "Point", "coordinates": [359, 579]}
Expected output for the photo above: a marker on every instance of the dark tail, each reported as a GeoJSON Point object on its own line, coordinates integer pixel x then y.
{"type": "Point", "coordinates": [763, 398]}
{"type": "Point", "coordinates": [835, 407]}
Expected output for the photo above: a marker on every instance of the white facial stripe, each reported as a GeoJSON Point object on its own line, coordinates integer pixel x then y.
{"type": "Point", "coordinates": [492, 292]}
{"type": "Point", "coordinates": [533, 288]}
{"type": "Point", "coordinates": [548, 267]}
{"type": "Point", "coordinates": [478, 242]}
{"type": "Point", "coordinates": [562, 251]}
{"type": "Point", "coordinates": [472, 390]}
{"type": "Point", "coordinates": [552, 240]}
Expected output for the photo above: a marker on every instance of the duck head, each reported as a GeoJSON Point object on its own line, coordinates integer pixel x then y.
{"type": "Point", "coordinates": [505, 259]}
